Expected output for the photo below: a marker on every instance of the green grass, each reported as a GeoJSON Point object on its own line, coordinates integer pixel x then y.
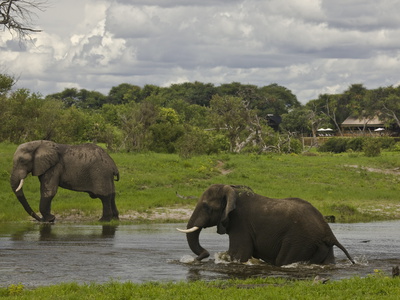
{"type": "Point", "coordinates": [371, 287]}
{"type": "Point", "coordinates": [336, 184]}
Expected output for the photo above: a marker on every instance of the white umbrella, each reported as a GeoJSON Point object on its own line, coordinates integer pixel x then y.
{"type": "Point", "coordinates": [321, 129]}
{"type": "Point", "coordinates": [379, 129]}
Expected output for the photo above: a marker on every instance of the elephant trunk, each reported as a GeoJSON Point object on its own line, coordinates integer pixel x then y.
{"type": "Point", "coordinates": [16, 185]}
{"type": "Point", "coordinates": [193, 241]}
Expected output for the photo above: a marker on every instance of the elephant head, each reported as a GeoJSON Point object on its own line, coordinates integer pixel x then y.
{"type": "Point", "coordinates": [33, 157]}
{"type": "Point", "coordinates": [212, 209]}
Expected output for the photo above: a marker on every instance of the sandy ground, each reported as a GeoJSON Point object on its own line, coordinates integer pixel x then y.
{"type": "Point", "coordinates": [161, 215]}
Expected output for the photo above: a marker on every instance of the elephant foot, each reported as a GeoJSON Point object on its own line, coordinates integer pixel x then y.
{"type": "Point", "coordinates": [105, 219]}
{"type": "Point", "coordinates": [49, 219]}
{"type": "Point", "coordinates": [203, 255]}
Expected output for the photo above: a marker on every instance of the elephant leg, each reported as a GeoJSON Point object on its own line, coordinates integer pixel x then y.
{"type": "Point", "coordinates": [48, 190]}
{"type": "Point", "coordinates": [240, 248]}
{"type": "Point", "coordinates": [45, 208]}
{"type": "Point", "coordinates": [323, 255]}
{"type": "Point", "coordinates": [107, 208]}
{"type": "Point", "coordinates": [293, 252]}
{"type": "Point", "coordinates": [115, 213]}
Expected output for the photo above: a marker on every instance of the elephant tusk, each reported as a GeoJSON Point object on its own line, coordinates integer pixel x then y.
{"type": "Point", "coordinates": [21, 183]}
{"type": "Point", "coordinates": [193, 229]}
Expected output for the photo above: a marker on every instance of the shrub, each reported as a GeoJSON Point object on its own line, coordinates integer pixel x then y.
{"type": "Point", "coordinates": [372, 147]}
{"type": "Point", "coordinates": [335, 145]}
{"type": "Point", "coordinates": [355, 144]}
{"type": "Point", "coordinates": [195, 142]}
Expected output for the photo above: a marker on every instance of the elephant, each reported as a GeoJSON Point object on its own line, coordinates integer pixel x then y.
{"type": "Point", "coordinates": [84, 168]}
{"type": "Point", "coordinates": [277, 231]}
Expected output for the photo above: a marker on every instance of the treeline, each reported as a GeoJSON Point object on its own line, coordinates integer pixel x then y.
{"type": "Point", "coordinates": [188, 118]}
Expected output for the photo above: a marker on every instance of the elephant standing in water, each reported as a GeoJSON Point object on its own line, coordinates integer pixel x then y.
{"type": "Point", "coordinates": [278, 231]}
{"type": "Point", "coordinates": [84, 168]}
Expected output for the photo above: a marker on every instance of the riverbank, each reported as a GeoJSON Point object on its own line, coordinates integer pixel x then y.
{"type": "Point", "coordinates": [350, 186]}
{"type": "Point", "coordinates": [376, 286]}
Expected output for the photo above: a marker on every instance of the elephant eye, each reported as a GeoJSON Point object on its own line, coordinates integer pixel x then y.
{"type": "Point", "coordinates": [24, 158]}
{"type": "Point", "coordinates": [207, 208]}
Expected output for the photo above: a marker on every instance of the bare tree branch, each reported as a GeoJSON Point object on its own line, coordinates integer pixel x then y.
{"type": "Point", "coordinates": [17, 16]}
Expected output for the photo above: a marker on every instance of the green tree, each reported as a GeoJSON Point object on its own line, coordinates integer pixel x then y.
{"type": "Point", "coordinates": [124, 93]}
{"type": "Point", "coordinates": [20, 115]}
{"type": "Point", "coordinates": [192, 92]}
{"type": "Point", "coordinates": [191, 114]}
{"type": "Point", "coordinates": [166, 131]}
{"type": "Point", "coordinates": [79, 98]}
{"type": "Point", "coordinates": [276, 99]}
{"type": "Point", "coordinates": [297, 121]}
{"type": "Point", "coordinates": [6, 83]}
{"type": "Point", "coordinates": [136, 119]}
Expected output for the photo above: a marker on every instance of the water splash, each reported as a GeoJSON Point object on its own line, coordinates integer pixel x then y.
{"type": "Point", "coordinates": [361, 260]}
{"type": "Point", "coordinates": [187, 259]}
{"type": "Point", "coordinates": [222, 258]}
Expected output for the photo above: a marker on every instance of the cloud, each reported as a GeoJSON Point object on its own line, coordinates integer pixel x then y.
{"type": "Point", "coordinates": [310, 47]}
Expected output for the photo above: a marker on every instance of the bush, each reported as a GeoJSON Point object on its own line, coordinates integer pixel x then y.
{"type": "Point", "coordinates": [372, 148]}
{"type": "Point", "coordinates": [197, 141]}
{"type": "Point", "coordinates": [387, 142]}
{"type": "Point", "coordinates": [355, 144]}
{"type": "Point", "coordinates": [335, 145]}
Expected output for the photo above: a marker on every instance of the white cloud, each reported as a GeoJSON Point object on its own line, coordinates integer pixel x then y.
{"type": "Point", "coordinates": [310, 47]}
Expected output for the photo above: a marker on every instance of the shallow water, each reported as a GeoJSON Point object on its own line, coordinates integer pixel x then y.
{"type": "Point", "coordinates": [37, 255]}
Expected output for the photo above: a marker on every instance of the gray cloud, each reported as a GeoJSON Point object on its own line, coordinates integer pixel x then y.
{"type": "Point", "coordinates": [310, 47]}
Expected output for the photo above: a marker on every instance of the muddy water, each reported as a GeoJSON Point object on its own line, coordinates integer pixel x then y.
{"type": "Point", "coordinates": [37, 255]}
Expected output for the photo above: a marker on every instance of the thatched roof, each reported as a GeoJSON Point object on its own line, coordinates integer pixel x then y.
{"type": "Point", "coordinates": [357, 122]}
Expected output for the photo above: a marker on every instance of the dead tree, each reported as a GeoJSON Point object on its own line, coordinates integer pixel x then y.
{"type": "Point", "coordinates": [16, 16]}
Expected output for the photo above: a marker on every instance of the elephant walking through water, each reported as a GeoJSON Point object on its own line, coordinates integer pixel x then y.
{"type": "Point", "coordinates": [84, 168]}
{"type": "Point", "coordinates": [278, 231]}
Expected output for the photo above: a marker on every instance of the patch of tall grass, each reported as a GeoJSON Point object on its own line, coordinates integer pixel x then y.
{"type": "Point", "coordinates": [337, 184]}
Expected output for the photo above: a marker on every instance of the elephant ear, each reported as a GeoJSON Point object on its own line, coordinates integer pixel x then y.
{"type": "Point", "coordinates": [230, 196]}
{"type": "Point", "coordinates": [45, 157]}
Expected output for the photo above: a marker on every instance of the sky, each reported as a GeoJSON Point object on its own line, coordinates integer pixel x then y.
{"type": "Point", "coordinates": [311, 47]}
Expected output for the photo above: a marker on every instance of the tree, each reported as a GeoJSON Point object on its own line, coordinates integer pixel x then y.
{"type": "Point", "coordinates": [330, 106]}
{"type": "Point", "coordinates": [135, 120]}
{"type": "Point", "coordinates": [297, 121]}
{"type": "Point", "coordinates": [6, 83]}
{"type": "Point", "coordinates": [229, 115]}
{"type": "Point", "coordinates": [276, 99]}
{"type": "Point", "coordinates": [315, 117]}
{"type": "Point", "coordinates": [166, 130]}
{"type": "Point", "coordinates": [124, 93]}
{"type": "Point", "coordinates": [79, 98]}
{"type": "Point", "coordinates": [389, 106]}
{"type": "Point", "coordinates": [193, 93]}
{"type": "Point", "coordinates": [17, 15]}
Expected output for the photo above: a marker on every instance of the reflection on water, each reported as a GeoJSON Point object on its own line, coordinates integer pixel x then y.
{"type": "Point", "coordinates": [35, 254]}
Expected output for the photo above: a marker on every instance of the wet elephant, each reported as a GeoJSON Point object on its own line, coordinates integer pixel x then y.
{"type": "Point", "coordinates": [84, 168]}
{"type": "Point", "coordinates": [278, 231]}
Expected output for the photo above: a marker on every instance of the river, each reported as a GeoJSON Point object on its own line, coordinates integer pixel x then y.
{"type": "Point", "coordinates": [38, 255]}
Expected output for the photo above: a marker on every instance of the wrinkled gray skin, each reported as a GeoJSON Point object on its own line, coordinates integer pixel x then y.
{"type": "Point", "coordinates": [83, 168]}
{"type": "Point", "coordinates": [278, 231]}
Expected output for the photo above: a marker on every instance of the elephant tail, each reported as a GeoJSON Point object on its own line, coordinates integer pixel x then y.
{"type": "Point", "coordinates": [341, 247]}
{"type": "Point", "coordinates": [116, 174]}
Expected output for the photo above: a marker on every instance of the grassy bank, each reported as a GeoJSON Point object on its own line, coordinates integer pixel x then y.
{"type": "Point", "coordinates": [352, 187]}
{"type": "Point", "coordinates": [372, 287]}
